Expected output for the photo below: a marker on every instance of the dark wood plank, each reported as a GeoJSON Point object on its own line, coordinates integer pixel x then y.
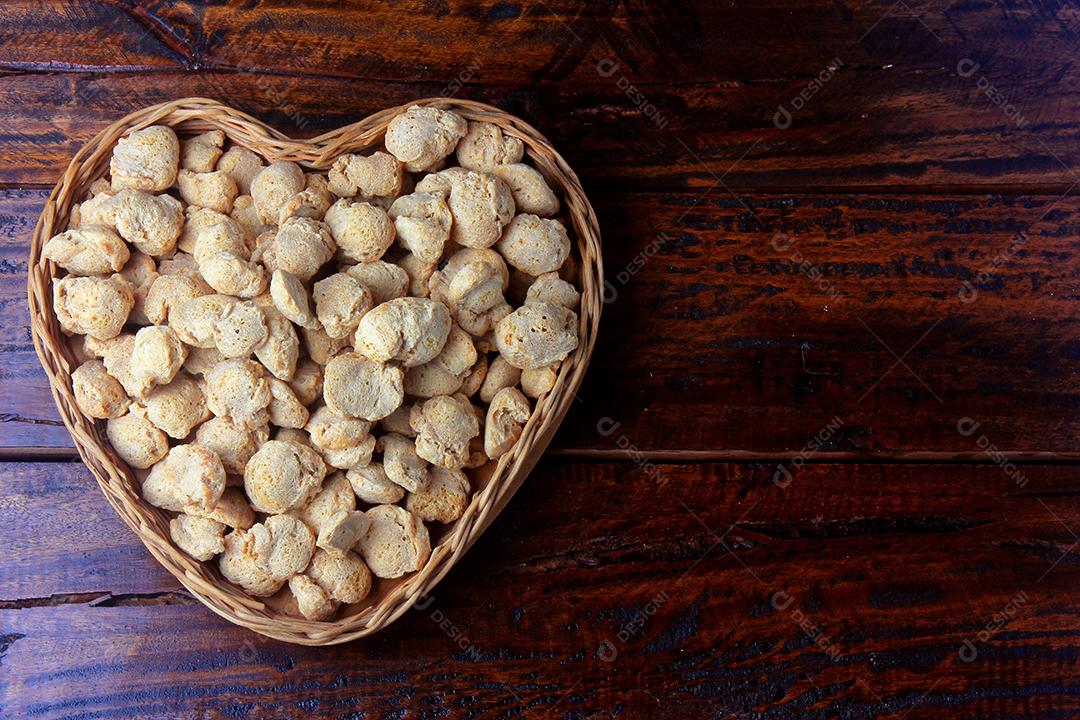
{"type": "Point", "coordinates": [891, 569]}
{"type": "Point", "coordinates": [557, 41]}
{"type": "Point", "coordinates": [760, 321]}
{"type": "Point", "coordinates": [28, 416]}
{"type": "Point", "coordinates": [62, 540]}
{"type": "Point", "coordinates": [717, 341]}
{"type": "Point", "coordinates": [867, 128]}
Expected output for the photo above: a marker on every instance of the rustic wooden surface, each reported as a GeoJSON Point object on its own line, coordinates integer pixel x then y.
{"type": "Point", "coordinates": [812, 475]}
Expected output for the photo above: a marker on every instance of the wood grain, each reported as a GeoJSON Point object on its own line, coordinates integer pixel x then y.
{"type": "Point", "coordinates": [872, 129]}
{"type": "Point", "coordinates": [712, 317]}
{"type": "Point", "coordinates": [943, 132]}
{"type": "Point", "coordinates": [895, 566]}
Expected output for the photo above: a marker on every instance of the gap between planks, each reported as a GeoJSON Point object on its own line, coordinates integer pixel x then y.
{"type": "Point", "coordinates": [637, 456]}
{"type": "Point", "coordinates": [1005, 189]}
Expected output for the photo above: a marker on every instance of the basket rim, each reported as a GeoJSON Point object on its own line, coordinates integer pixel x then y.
{"type": "Point", "coordinates": [117, 481]}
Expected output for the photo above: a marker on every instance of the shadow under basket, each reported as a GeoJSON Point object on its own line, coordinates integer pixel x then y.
{"type": "Point", "coordinates": [493, 484]}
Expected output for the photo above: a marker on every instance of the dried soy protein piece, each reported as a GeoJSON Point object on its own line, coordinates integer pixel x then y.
{"type": "Point", "coordinates": [396, 542]}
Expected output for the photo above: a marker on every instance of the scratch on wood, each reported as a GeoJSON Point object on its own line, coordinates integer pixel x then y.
{"type": "Point", "coordinates": [99, 599]}
{"type": "Point", "coordinates": [12, 417]}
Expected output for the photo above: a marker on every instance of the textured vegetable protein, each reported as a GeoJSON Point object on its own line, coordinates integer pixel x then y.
{"type": "Point", "coordinates": [305, 367]}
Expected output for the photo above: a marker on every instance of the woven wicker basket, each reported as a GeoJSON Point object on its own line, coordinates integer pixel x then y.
{"type": "Point", "coordinates": [493, 484]}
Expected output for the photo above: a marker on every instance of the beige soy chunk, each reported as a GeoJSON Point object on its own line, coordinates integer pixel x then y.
{"type": "Point", "coordinates": [361, 230]}
{"type": "Point", "coordinates": [231, 274]}
{"type": "Point", "coordinates": [283, 476]}
{"type": "Point", "coordinates": [178, 407]}
{"type": "Point", "coordinates": [444, 426]}
{"type": "Point", "coordinates": [343, 441]}
{"type": "Point", "coordinates": [93, 306]}
{"type": "Point", "coordinates": [349, 457]}
{"type": "Point", "coordinates": [116, 353]}
{"type": "Point", "coordinates": [320, 346]}
{"type": "Point", "coordinates": [500, 374]}
{"type": "Point", "coordinates": [89, 250]}
{"type": "Point", "coordinates": [539, 381]}
{"type": "Point", "coordinates": [530, 191]}
{"type": "Point", "coordinates": [342, 531]}
{"type": "Point", "coordinates": [202, 360]}
{"type": "Point", "coordinates": [241, 165]}
{"type": "Point", "coordinates": [198, 219]}
{"type": "Point", "coordinates": [335, 496]}
{"type": "Point", "coordinates": [152, 223]}
{"type": "Point", "coordinates": [311, 202]}
{"type": "Point", "coordinates": [419, 273]}
{"type": "Point", "coordinates": [291, 298]}
{"type": "Point", "coordinates": [410, 330]}
{"type": "Point", "coordinates": [444, 499]}
{"type": "Point", "coordinates": [372, 485]}
{"type": "Point", "coordinates": [376, 175]}
{"type": "Point", "coordinates": [140, 272]}
{"type": "Point", "coordinates": [422, 222]}
{"type": "Point", "coordinates": [340, 302]}
{"type": "Point", "coordinates": [355, 386]}
{"type": "Point", "coordinates": [96, 210]}
{"type": "Point", "coordinates": [535, 245]}
{"type": "Point", "coordinates": [196, 320]}
{"type": "Point", "coordinates": [239, 390]}
{"type": "Point", "coordinates": [291, 546]}
{"type": "Point", "coordinates": [385, 281]}
{"type": "Point", "coordinates": [464, 257]}
{"type": "Point", "coordinates": [475, 378]}
{"type": "Point", "coordinates": [232, 509]}
{"type": "Point", "coordinates": [423, 136]}
{"type": "Point", "coordinates": [158, 354]}
{"type": "Point", "coordinates": [201, 538]}
{"type": "Point", "coordinates": [294, 435]}
{"type": "Point", "coordinates": [136, 440]}
{"type": "Point", "coordinates": [550, 288]}
{"type": "Point", "coordinates": [146, 159]}
{"type": "Point", "coordinates": [301, 246]}
{"type": "Point", "coordinates": [472, 284]}
{"type": "Point", "coordinates": [140, 269]}
{"type": "Point", "coordinates": [395, 543]}
{"type": "Point", "coordinates": [285, 410]}
{"type": "Point", "coordinates": [506, 417]}
{"type": "Point", "coordinates": [280, 351]}
{"type": "Point", "coordinates": [97, 393]}
{"type": "Point", "coordinates": [345, 578]}
{"type": "Point", "coordinates": [398, 422]}
{"type": "Point", "coordinates": [273, 186]}
{"type": "Point", "coordinates": [214, 190]}
{"type": "Point", "coordinates": [444, 374]}
{"type": "Point", "coordinates": [245, 561]}
{"type": "Point", "coordinates": [537, 335]}
{"type": "Point", "coordinates": [401, 463]}
{"type": "Point", "coordinates": [240, 329]}
{"type": "Point", "coordinates": [225, 236]}
{"type": "Point", "coordinates": [200, 153]}
{"type": "Point", "coordinates": [307, 381]}
{"type": "Point", "coordinates": [247, 217]}
{"type": "Point", "coordinates": [313, 602]}
{"type": "Point", "coordinates": [484, 148]}
{"type": "Point", "coordinates": [234, 443]}
{"type": "Point", "coordinates": [189, 476]}
{"type": "Point", "coordinates": [476, 288]}
{"type": "Point", "coordinates": [482, 206]}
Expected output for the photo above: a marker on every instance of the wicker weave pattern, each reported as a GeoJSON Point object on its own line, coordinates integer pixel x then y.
{"type": "Point", "coordinates": [494, 484]}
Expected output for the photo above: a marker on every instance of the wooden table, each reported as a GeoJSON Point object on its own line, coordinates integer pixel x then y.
{"type": "Point", "coordinates": [825, 462]}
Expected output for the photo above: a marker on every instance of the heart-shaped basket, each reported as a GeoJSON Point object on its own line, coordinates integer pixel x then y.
{"type": "Point", "coordinates": [493, 484]}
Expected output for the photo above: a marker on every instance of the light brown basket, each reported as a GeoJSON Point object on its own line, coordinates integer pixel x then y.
{"type": "Point", "coordinates": [494, 484]}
